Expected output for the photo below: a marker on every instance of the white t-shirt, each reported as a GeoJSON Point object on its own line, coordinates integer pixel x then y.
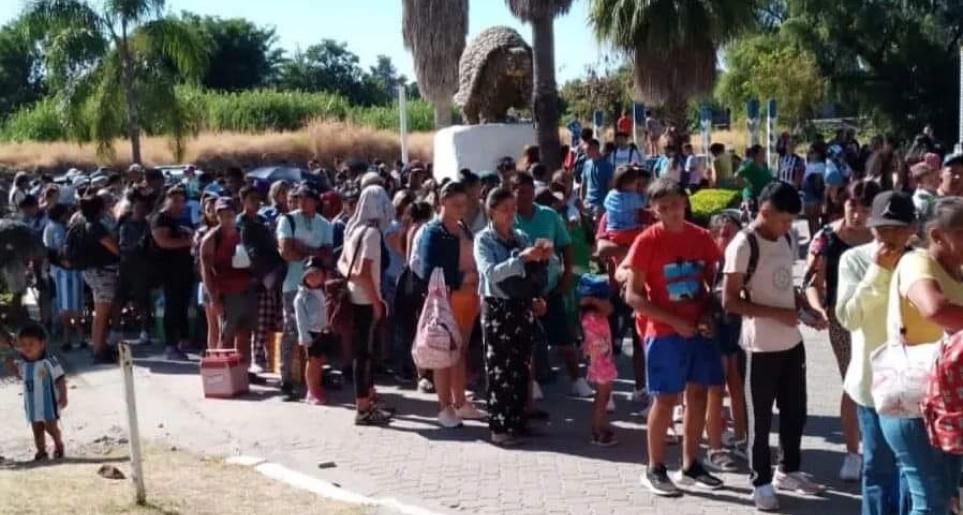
{"type": "Point", "coordinates": [370, 249]}
{"type": "Point", "coordinates": [314, 232]}
{"type": "Point", "coordinates": [770, 285]}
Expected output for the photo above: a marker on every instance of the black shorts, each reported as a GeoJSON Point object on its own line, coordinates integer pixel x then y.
{"type": "Point", "coordinates": [323, 344]}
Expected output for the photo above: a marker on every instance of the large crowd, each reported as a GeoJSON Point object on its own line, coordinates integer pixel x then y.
{"type": "Point", "coordinates": [456, 282]}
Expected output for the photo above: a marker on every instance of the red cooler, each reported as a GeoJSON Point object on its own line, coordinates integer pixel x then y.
{"type": "Point", "coordinates": [223, 373]}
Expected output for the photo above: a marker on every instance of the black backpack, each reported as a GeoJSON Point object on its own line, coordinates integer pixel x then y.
{"type": "Point", "coordinates": [75, 253]}
{"type": "Point", "coordinates": [754, 258]}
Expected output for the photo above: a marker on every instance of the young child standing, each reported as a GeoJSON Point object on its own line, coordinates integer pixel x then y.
{"type": "Point", "coordinates": [594, 292]}
{"type": "Point", "coordinates": [44, 389]}
{"type": "Point", "coordinates": [312, 322]}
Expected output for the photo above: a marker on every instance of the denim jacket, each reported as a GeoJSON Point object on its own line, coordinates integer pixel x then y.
{"type": "Point", "coordinates": [496, 262]}
{"type": "Point", "coordinates": [438, 248]}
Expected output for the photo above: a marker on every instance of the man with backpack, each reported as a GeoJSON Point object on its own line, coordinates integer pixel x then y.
{"type": "Point", "coordinates": [758, 286]}
{"type": "Point", "coordinates": [267, 267]}
{"type": "Point", "coordinates": [625, 153]}
{"type": "Point", "coordinates": [135, 279]}
{"type": "Point", "coordinates": [301, 234]}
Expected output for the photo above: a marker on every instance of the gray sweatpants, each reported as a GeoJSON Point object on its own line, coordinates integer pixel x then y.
{"type": "Point", "coordinates": [289, 339]}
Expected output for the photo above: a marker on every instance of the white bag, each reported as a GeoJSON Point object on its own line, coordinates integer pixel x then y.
{"type": "Point", "coordinates": [437, 342]}
{"type": "Point", "coordinates": [900, 372]}
{"type": "Point", "coordinates": [241, 259]}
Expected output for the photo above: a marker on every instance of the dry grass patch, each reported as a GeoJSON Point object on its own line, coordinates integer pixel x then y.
{"type": "Point", "coordinates": [177, 483]}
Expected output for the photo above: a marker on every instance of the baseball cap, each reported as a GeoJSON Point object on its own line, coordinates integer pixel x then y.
{"type": "Point", "coordinates": [223, 203]}
{"type": "Point", "coordinates": [892, 208]}
{"type": "Point", "coordinates": [305, 190]}
{"type": "Point", "coordinates": [953, 159]}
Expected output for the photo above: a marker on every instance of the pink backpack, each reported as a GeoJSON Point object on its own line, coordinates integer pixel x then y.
{"type": "Point", "coordinates": [437, 340]}
{"type": "Point", "coordinates": [942, 406]}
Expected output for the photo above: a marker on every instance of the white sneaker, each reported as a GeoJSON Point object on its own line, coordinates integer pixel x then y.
{"type": "Point", "coordinates": [799, 482]}
{"type": "Point", "coordinates": [255, 369]}
{"type": "Point", "coordinates": [852, 468]}
{"type": "Point", "coordinates": [640, 395]}
{"type": "Point", "coordinates": [468, 411]}
{"type": "Point", "coordinates": [425, 386]}
{"type": "Point", "coordinates": [581, 388]}
{"type": "Point", "coordinates": [144, 338]}
{"type": "Point", "coordinates": [678, 412]}
{"type": "Point", "coordinates": [765, 498]}
{"type": "Point", "coordinates": [537, 391]}
{"type": "Point", "coordinates": [448, 418]}
{"type": "Point", "coordinates": [610, 406]}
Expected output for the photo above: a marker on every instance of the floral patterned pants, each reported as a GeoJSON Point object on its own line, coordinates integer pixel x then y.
{"type": "Point", "coordinates": [507, 332]}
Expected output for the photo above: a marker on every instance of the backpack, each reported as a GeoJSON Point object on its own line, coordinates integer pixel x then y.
{"type": "Point", "coordinates": [75, 253]}
{"type": "Point", "coordinates": [754, 258]}
{"type": "Point", "coordinates": [942, 404]}
{"type": "Point", "coordinates": [437, 341]}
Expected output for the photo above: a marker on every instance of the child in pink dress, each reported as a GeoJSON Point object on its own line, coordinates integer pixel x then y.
{"type": "Point", "coordinates": [595, 309]}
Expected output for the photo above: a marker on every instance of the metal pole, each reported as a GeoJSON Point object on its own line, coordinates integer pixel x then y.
{"type": "Point", "coordinates": [771, 134]}
{"type": "Point", "coordinates": [127, 369]}
{"type": "Point", "coordinates": [959, 144]}
{"type": "Point", "coordinates": [403, 123]}
{"type": "Point", "coordinates": [752, 122]}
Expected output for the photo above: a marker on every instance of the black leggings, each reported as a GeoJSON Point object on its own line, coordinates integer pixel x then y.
{"type": "Point", "coordinates": [363, 330]}
{"type": "Point", "coordinates": [177, 284]}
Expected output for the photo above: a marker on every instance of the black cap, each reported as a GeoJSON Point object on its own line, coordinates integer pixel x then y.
{"type": "Point", "coordinates": [892, 208]}
{"type": "Point", "coordinates": [306, 191]}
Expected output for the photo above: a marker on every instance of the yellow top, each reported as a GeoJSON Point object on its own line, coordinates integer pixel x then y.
{"type": "Point", "coordinates": [917, 266]}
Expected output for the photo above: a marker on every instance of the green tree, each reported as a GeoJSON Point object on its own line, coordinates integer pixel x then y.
{"type": "Point", "coordinates": [893, 59]}
{"type": "Point", "coordinates": [672, 44]}
{"type": "Point", "coordinates": [330, 66]}
{"type": "Point", "coordinates": [386, 75]}
{"type": "Point", "coordinates": [610, 92]}
{"type": "Point", "coordinates": [768, 66]}
{"type": "Point", "coordinates": [434, 31]}
{"type": "Point", "coordinates": [21, 78]}
{"type": "Point", "coordinates": [242, 55]}
{"type": "Point", "coordinates": [118, 61]}
{"type": "Point", "coordinates": [541, 15]}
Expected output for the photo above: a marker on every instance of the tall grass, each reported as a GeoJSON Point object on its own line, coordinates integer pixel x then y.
{"type": "Point", "coordinates": [246, 111]}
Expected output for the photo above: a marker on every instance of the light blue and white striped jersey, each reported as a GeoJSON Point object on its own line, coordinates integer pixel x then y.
{"type": "Point", "coordinates": [39, 390]}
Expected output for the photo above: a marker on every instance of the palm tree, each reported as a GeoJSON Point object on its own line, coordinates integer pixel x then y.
{"type": "Point", "coordinates": [672, 44]}
{"type": "Point", "coordinates": [117, 63]}
{"type": "Point", "coordinates": [434, 31]}
{"type": "Point", "coordinates": [541, 15]}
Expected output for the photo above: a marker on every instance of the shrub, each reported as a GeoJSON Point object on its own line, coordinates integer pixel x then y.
{"type": "Point", "coordinates": [267, 110]}
{"type": "Point", "coordinates": [39, 122]}
{"type": "Point", "coordinates": [421, 116]}
{"type": "Point", "coordinates": [706, 203]}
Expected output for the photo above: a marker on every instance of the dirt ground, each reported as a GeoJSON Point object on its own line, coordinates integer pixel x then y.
{"type": "Point", "coordinates": [177, 482]}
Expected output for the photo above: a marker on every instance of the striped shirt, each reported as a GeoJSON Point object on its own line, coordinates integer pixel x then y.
{"type": "Point", "coordinates": [790, 168]}
{"type": "Point", "coordinates": [39, 388]}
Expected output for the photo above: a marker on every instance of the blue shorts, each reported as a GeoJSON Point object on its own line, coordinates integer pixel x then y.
{"type": "Point", "coordinates": [671, 361]}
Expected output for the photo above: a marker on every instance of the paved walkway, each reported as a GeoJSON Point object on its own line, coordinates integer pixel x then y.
{"type": "Point", "coordinates": [417, 462]}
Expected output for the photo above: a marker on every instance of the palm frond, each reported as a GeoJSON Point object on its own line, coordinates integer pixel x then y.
{"type": "Point", "coordinates": [173, 40]}
{"type": "Point", "coordinates": [528, 10]}
{"type": "Point", "coordinates": [434, 31]}
{"type": "Point", "coordinates": [71, 34]}
{"type": "Point", "coordinates": [106, 106]}
{"type": "Point", "coordinates": [134, 11]}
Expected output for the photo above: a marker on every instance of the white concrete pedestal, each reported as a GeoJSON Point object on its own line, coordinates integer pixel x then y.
{"type": "Point", "coordinates": [478, 147]}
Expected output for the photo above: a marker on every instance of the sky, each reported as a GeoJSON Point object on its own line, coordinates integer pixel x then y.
{"type": "Point", "coordinates": [373, 27]}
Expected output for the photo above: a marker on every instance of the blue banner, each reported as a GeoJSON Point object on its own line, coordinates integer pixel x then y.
{"type": "Point", "coordinates": [705, 113]}
{"type": "Point", "coordinates": [638, 112]}
{"type": "Point", "coordinates": [575, 127]}
{"type": "Point", "coordinates": [771, 108]}
{"type": "Point", "coordinates": [752, 109]}
{"type": "Point", "coordinates": [597, 119]}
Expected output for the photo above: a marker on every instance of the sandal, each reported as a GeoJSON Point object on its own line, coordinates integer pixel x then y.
{"type": "Point", "coordinates": [59, 452]}
{"type": "Point", "coordinates": [605, 438]}
{"type": "Point", "coordinates": [41, 456]}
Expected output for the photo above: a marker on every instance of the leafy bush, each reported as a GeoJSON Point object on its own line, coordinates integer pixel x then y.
{"type": "Point", "coordinates": [706, 203]}
{"type": "Point", "coordinates": [268, 110]}
{"type": "Point", "coordinates": [39, 122]}
{"type": "Point", "coordinates": [421, 116]}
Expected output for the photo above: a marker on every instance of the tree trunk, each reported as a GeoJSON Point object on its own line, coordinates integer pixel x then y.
{"type": "Point", "coordinates": [676, 109]}
{"type": "Point", "coordinates": [442, 112]}
{"type": "Point", "coordinates": [133, 115]}
{"type": "Point", "coordinates": [545, 93]}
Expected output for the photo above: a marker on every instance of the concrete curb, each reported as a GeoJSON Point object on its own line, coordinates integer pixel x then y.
{"type": "Point", "coordinates": [320, 487]}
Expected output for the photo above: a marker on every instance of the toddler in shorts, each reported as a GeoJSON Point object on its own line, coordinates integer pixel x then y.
{"type": "Point", "coordinates": [313, 333]}
{"type": "Point", "coordinates": [593, 292]}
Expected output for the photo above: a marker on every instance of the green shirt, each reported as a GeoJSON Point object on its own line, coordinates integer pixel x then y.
{"type": "Point", "coordinates": [546, 223]}
{"type": "Point", "coordinates": [756, 178]}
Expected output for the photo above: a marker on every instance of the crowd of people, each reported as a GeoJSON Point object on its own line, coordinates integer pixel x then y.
{"type": "Point", "coordinates": [574, 260]}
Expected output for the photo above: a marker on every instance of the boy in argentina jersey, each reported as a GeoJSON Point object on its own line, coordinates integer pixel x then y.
{"type": "Point", "coordinates": [44, 389]}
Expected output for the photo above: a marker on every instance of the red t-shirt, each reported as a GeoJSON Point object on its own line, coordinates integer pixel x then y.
{"type": "Point", "coordinates": [624, 124]}
{"type": "Point", "coordinates": [677, 267]}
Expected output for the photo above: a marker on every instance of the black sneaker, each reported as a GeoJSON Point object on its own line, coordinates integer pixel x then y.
{"type": "Point", "coordinates": [287, 390]}
{"type": "Point", "coordinates": [656, 479]}
{"type": "Point", "coordinates": [372, 417]}
{"type": "Point", "coordinates": [696, 475]}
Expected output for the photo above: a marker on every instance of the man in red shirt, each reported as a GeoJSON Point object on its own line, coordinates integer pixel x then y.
{"type": "Point", "coordinates": [624, 123]}
{"type": "Point", "coordinates": [671, 265]}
